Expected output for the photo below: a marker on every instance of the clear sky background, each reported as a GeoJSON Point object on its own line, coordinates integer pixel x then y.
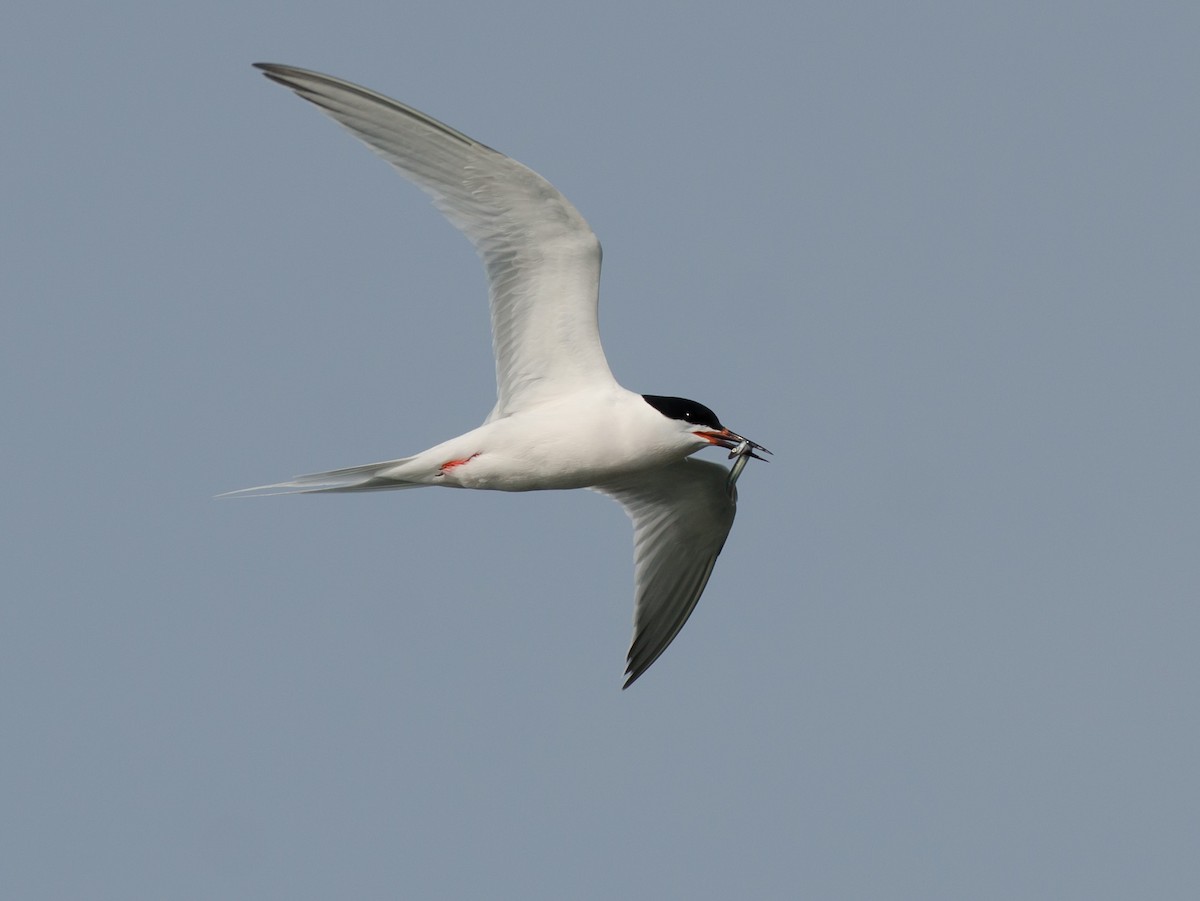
{"type": "Point", "coordinates": [942, 258]}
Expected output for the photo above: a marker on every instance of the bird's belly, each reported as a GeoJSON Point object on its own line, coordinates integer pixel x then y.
{"type": "Point", "coordinates": [558, 447]}
{"type": "Point", "coordinates": [551, 465]}
{"type": "Point", "coordinates": [499, 472]}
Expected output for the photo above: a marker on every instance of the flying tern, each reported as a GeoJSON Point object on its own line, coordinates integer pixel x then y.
{"type": "Point", "coordinates": [560, 420]}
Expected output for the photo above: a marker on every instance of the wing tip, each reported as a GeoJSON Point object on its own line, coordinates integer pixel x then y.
{"type": "Point", "coordinates": [273, 70]}
{"type": "Point", "coordinates": [635, 668]}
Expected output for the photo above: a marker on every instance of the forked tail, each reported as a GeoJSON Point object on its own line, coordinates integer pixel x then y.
{"type": "Point", "coordinates": [369, 477]}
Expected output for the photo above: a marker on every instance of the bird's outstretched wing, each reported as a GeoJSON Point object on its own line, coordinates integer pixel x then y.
{"type": "Point", "coordinates": [681, 517]}
{"type": "Point", "coordinates": [542, 259]}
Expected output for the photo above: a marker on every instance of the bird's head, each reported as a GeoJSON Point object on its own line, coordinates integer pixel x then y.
{"type": "Point", "coordinates": [702, 423]}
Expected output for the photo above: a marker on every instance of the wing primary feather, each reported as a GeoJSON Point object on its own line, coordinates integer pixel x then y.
{"type": "Point", "coordinates": [641, 660]}
{"type": "Point", "coordinates": [681, 517]}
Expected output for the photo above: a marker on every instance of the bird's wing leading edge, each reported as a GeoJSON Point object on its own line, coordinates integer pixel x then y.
{"type": "Point", "coordinates": [681, 517]}
{"type": "Point", "coordinates": [542, 259]}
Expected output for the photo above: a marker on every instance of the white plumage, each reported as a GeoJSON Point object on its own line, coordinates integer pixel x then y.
{"type": "Point", "coordinates": [560, 420]}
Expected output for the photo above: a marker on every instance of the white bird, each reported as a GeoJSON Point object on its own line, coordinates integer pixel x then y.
{"type": "Point", "coordinates": [560, 420]}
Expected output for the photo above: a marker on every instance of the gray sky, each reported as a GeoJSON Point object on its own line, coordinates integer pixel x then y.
{"type": "Point", "coordinates": [940, 257]}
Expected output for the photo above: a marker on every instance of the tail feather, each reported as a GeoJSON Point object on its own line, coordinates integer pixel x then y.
{"type": "Point", "coordinates": [368, 477]}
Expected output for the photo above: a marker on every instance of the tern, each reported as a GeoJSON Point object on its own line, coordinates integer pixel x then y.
{"type": "Point", "coordinates": [560, 420]}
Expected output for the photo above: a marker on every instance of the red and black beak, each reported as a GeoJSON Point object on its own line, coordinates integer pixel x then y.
{"type": "Point", "coordinates": [733, 442]}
